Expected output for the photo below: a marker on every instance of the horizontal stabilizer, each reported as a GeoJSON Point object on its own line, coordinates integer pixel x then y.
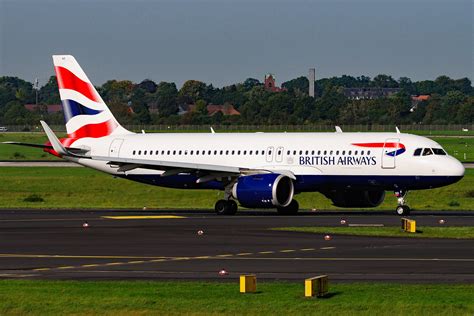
{"type": "Point", "coordinates": [29, 145]}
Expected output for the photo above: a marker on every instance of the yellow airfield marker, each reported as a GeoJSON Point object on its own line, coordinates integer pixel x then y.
{"type": "Point", "coordinates": [144, 217]}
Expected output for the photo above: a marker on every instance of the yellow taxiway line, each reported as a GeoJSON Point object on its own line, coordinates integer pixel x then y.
{"type": "Point", "coordinates": [144, 217]}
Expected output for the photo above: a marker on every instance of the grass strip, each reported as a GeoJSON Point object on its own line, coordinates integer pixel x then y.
{"type": "Point", "coordinates": [456, 232]}
{"type": "Point", "coordinates": [214, 298]}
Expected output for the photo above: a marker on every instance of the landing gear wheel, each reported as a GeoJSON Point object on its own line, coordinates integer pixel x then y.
{"type": "Point", "coordinates": [224, 207]}
{"type": "Point", "coordinates": [291, 209]}
{"type": "Point", "coordinates": [403, 210]}
{"type": "Point", "coordinates": [232, 207]}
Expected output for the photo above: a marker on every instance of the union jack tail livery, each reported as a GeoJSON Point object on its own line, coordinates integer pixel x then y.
{"type": "Point", "coordinates": [85, 113]}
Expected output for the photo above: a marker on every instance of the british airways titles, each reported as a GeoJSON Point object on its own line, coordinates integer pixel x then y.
{"type": "Point", "coordinates": [337, 161]}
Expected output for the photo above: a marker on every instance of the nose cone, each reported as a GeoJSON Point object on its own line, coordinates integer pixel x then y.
{"type": "Point", "coordinates": [455, 170]}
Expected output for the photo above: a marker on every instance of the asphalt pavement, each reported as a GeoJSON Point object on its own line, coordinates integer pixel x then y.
{"type": "Point", "coordinates": [197, 245]}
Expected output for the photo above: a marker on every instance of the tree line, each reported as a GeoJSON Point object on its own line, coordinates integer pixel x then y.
{"type": "Point", "coordinates": [451, 102]}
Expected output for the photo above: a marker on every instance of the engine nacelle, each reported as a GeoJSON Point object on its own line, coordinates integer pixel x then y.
{"type": "Point", "coordinates": [356, 198]}
{"type": "Point", "coordinates": [264, 190]}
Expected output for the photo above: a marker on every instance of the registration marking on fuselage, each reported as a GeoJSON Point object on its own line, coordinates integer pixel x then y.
{"type": "Point", "coordinates": [144, 217]}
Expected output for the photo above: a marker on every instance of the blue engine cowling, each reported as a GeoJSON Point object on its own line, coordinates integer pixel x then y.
{"type": "Point", "coordinates": [264, 190]}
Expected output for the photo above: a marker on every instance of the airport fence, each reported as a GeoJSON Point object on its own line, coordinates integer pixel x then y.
{"type": "Point", "coordinates": [450, 129]}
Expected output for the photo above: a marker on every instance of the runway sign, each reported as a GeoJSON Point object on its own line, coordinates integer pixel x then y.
{"type": "Point", "coordinates": [409, 225]}
{"type": "Point", "coordinates": [318, 286]}
{"type": "Point", "coordinates": [248, 283]}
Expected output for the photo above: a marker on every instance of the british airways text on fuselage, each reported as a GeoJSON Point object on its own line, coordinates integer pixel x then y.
{"type": "Point", "coordinates": [337, 161]}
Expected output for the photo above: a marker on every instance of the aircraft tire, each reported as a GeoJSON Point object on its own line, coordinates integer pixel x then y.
{"type": "Point", "coordinates": [291, 209]}
{"type": "Point", "coordinates": [224, 207]}
{"type": "Point", "coordinates": [403, 210]}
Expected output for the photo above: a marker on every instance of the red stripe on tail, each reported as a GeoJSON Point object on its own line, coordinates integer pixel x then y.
{"type": "Point", "coordinates": [95, 130]}
{"type": "Point", "coordinates": [68, 80]}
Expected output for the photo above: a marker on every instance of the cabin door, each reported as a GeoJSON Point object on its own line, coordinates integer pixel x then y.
{"type": "Point", "coordinates": [389, 152]}
{"type": "Point", "coordinates": [114, 149]}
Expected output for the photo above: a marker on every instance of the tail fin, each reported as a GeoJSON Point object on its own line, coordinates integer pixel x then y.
{"type": "Point", "coordinates": [85, 113]}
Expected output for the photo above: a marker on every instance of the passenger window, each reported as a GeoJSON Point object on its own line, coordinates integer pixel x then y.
{"type": "Point", "coordinates": [330, 153]}
{"type": "Point", "coordinates": [245, 152]}
{"type": "Point", "coordinates": [174, 152]}
{"type": "Point", "coordinates": [250, 152]}
{"type": "Point", "coordinates": [144, 152]}
{"type": "Point", "coordinates": [325, 152]}
{"type": "Point", "coordinates": [343, 152]}
{"type": "Point", "coordinates": [208, 152]}
{"type": "Point", "coordinates": [307, 152]}
{"type": "Point", "coordinates": [157, 152]}
{"type": "Point", "coordinates": [221, 152]}
{"type": "Point", "coordinates": [215, 152]}
{"type": "Point", "coordinates": [288, 152]}
{"type": "Point", "coordinates": [319, 152]}
{"type": "Point", "coordinates": [238, 152]}
{"type": "Point", "coordinates": [355, 152]}
{"type": "Point", "coordinates": [362, 152]}
{"type": "Point", "coordinates": [301, 152]}
{"type": "Point", "coordinates": [139, 152]}
{"type": "Point", "coordinates": [417, 152]}
{"type": "Point", "coordinates": [427, 152]}
{"type": "Point", "coordinates": [192, 151]}
{"type": "Point", "coordinates": [312, 152]}
{"type": "Point", "coordinates": [368, 152]}
{"type": "Point", "coordinates": [279, 152]}
{"type": "Point", "coordinates": [350, 152]}
{"type": "Point", "coordinates": [439, 151]}
{"type": "Point", "coordinates": [294, 152]}
{"type": "Point", "coordinates": [226, 152]}
{"type": "Point", "coordinates": [337, 153]}
{"type": "Point", "coordinates": [168, 152]}
{"type": "Point", "coordinates": [134, 152]}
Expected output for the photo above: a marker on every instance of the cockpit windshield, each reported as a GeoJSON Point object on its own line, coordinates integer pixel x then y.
{"type": "Point", "coordinates": [439, 151]}
{"type": "Point", "coordinates": [429, 151]}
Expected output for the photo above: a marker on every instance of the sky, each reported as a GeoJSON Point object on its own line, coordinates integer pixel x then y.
{"type": "Point", "coordinates": [224, 42]}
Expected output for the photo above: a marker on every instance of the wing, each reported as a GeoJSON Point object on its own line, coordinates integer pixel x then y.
{"type": "Point", "coordinates": [206, 172]}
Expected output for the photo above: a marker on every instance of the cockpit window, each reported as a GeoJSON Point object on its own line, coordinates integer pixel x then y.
{"type": "Point", "coordinates": [417, 152]}
{"type": "Point", "coordinates": [439, 151]}
{"type": "Point", "coordinates": [427, 152]}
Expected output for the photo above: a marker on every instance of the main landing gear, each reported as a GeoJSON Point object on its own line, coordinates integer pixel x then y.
{"type": "Point", "coordinates": [402, 209]}
{"type": "Point", "coordinates": [291, 209]}
{"type": "Point", "coordinates": [226, 207]}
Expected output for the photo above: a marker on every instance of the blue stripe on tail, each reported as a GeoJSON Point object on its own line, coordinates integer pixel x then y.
{"type": "Point", "coordinates": [72, 108]}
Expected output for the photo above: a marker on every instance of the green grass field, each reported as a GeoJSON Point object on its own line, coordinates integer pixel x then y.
{"type": "Point", "coordinates": [455, 146]}
{"type": "Point", "coordinates": [463, 232]}
{"type": "Point", "coordinates": [217, 298]}
{"type": "Point", "coordinates": [48, 187]}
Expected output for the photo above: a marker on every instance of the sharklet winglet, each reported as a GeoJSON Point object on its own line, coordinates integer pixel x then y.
{"type": "Point", "coordinates": [57, 146]}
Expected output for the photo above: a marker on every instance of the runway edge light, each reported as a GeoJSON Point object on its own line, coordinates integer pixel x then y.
{"type": "Point", "coordinates": [248, 283]}
{"type": "Point", "coordinates": [316, 286]}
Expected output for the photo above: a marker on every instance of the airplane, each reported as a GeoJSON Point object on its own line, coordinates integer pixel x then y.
{"type": "Point", "coordinates": [256, 170]}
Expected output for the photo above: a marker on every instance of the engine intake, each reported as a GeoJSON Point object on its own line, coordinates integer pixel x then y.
{"type": "Point", "coordinates": [356, 198]}
{"type": "Point", "coordinates": [264, 190]}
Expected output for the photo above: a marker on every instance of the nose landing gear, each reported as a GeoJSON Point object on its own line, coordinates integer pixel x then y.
{"type": "Point", "coordinates": [402, 209]}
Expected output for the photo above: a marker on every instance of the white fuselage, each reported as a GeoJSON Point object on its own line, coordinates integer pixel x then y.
{"type": "Point", "coordinates": [304, 154]}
